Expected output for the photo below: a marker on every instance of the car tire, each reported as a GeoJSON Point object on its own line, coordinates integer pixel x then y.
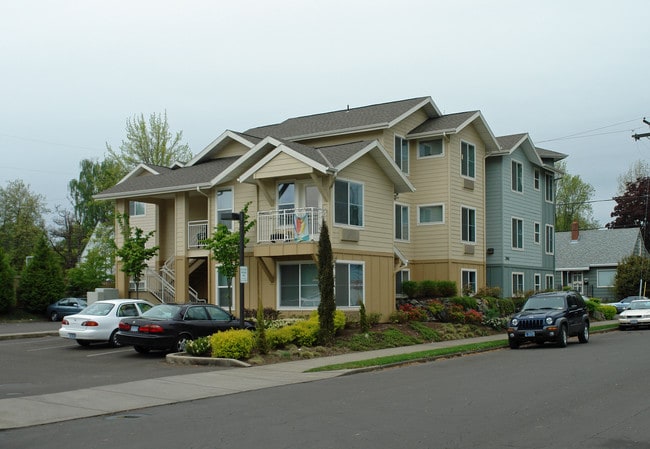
{"type": "Point", "coordinates": [621, 327]}
{"type": "Point", "coordinates": [112, 341]}
{"type": "Point", "coordinates": [54, 316]}
{"type": "Point", "coordinates": [514, 344]}
{"type": "Point", "coordinates": [83, 342]}
{"type": "Point", "coordinates": [583, 337]}
{"type": "Point", "coordinates": [562, 337]}
{"type": "Point", "coordinates": [141, 349]}
{"type": "Point", "coordinates": [181, 340]}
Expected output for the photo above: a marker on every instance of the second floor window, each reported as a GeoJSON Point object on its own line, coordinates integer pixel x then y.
{"type": "Point", "coordinates": [550, 237]}
{"type": "Point", "coordinates": [517, 176]}
{"type": "Point", "coordinates": [348, 203]}
{"type": "Point", "coordinates": [429, 148]}
{"type": "Point", "coordinates": [401, 222]}
{"type": "Point", "coordinates": [402, 153]}
{"type": "Point", "coordinates": [433, 213]}
{"type": "Point", "coordinates": [517, 233]}
{"type": "Point", "coordinates": [549, 188]}
{"type": "Point", "coordinates": [136, 208]}
{"type": "Point", "coordinates": [224, 206]}
{"type": "Point", "coordinates": [536, 182]}
{"type": "Point", "coordinates": [536, 236]}
{"type": "Point", "coordinates": [467, 160]}
{"type": "Point", "coordinates": [468, 225]}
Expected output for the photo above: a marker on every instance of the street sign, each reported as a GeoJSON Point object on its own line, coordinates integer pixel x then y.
{"type": "Point", "coordinates": [243, 275]}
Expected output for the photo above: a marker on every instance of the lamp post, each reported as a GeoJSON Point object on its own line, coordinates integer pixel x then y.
{"type": "Point", "coordinates": [232, 217]}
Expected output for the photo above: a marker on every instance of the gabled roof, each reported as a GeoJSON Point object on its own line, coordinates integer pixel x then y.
{"type": "Point", "coordinates": [346, 121]}
{"type": "Point", "coordinates": [600, 247]}
{"type": "Point", "coordinates": [453, 124]}
{"type": "Point", "coordinates": [552, 155]}
{"type": "Point", "coordinates": [510, 143]}
{"type": "Point", "coordinates": [227, 137]}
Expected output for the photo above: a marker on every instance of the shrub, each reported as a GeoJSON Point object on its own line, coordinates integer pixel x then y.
{"type": "Point", "coordinates": [497, 323]}
{"type": "Point", "coordinates": [364, 326]}
{"type": "Point", "coordinates": [466, 302]}
{"type": "Point", "coordinates": [447, 289]}
{"type": "Point", "coordinates": [428, 289]}
{"type": "Point", "coordinates": [436, 308]}
{"type": "Point", "coordinates": [279, 337]}
{"type": "Point", "coordinates": [374, 318]}
{"type": "Point", "coordinates": [426, 332]}
{"type": "Point", "coordinates": [199, 348]}
{"type": "Point", "coordinates": [232, 344]}
{"type": "Point", "coordinates": [411, 289]}
{"type": "Point", "coordinates": [413, 313]}
{"type": "Point", "coordinates": [506, 306]}
{"type": "Point", "coordinates": [398, 316]}
{"type": "Point", "coordinates": [607, 311]}
{"type": "Point", "coordinates": [455, 313]}
{"type": "Point", "coordinates": [488, 292]}
{"type": "Point", "coordinates": [270, 314]}
{"type": "Point", "coordinates": [305, 333]}
{"type": "Point", "coordinates": [473, 317]}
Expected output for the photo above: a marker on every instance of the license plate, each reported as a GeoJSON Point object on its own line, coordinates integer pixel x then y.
{"type": "Point", "coordinates": [529, 334]}
{"type": "Point", "coordinates": [72, 335]}
{"type": "Point", "coordinates": [634, 321]}
{"type": "Point", "coordinates": [134, 328]}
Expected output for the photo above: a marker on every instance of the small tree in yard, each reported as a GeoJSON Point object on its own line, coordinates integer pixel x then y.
{"type": "Point", "coordinates": [134, 252]}
{"type": "Point", "coordinates": [7, 293]}
{"type": "Point", "coordinates": [327, 305]}
{"type": "Point", "coordinates": [629, 272]}
{"type": "Point", "coordinates": [41, 282]}
{"type": "Point", "coordinates": [224, 245]}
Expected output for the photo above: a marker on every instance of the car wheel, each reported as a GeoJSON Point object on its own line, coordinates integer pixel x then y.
{"type": "Point", "coordinates": [562, 337]}
{"type": "Point", "coordinates": [583, 337]}
{"type": "Point", "coordinates": [181, 341]}
{"type": "Point", "coordinates": [514, 344]}
{"type": "Point", "coordinates": [621, 327]}
{"type": "Point", "coordinates": [141, 349]}
{"type": "Point", "coordinates": [83, 342]}
{"type": "Point", "coordinates": [54, 316]}
{"type": "Point", "coordinates": [112, 341]}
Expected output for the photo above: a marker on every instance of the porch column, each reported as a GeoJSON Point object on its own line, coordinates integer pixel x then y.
{"type": "Point", "coordinates": [181, 264]}
{"type": "Point", "coordinates": [121, 278]}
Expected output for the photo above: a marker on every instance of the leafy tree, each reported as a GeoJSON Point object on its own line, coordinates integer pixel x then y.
{"type": "Point", "coordinates": [224, 245]}
{"type": "Point", "coordinates": [21, 221]}
{"type": "Point", "coordinates": [632, 208]}
{"type": "Point", "coordinates": [573, 196]}
{"type": "Point", "coordinates": [68, 239]}
{"type": "Point", "coordinates": [327, 304]}
{"type": "Point", "coordinates": [629, 273]}
{"type": "Point", "coordinates": [134, 252]}
{"type": "Point", "coordinates": [638, 169]}
{"type": "Point", "coordinates": [96, 266]}
{"type": "Point", "coordinates": [149, 143]}
{"type": "Point", "coordinates": [41, 281]}
{"type": "Point", "coordinates": [7, 292]}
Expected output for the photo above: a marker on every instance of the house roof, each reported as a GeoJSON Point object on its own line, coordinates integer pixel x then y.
{"type": "Point", "coordinates": [600, 247]}
{"type": "Point", "coordinates": [514, 141]}
{"type": "Point", "coordinates": [345, 121]}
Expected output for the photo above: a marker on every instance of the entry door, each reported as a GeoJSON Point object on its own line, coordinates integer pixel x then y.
{"type": "Point", "coordinates": [576, 282]}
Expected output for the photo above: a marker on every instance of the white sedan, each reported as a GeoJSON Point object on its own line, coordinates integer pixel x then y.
{"type": "Point", "coordinates": [637, 314]}
{"type": "Point", "coordinates": [99, 321]}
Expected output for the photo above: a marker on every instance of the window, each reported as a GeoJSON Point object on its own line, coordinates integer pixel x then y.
{"type": "Point", "coordinates": [538, 231]}
{"type": "Point", "coordinates": [432, 213]}
{"type": "Point", "coordinates": [136, 208]}
{"type": "Point", "coordinates": [468, 233]}
{"type": "Point", "coordinates": [550, 280]}
{"type": "Point", "coordinates": [402, 153]}
{"type": "Point", "coordinates": [517, 175]}
{"type": "Point", "coordinates": [401, 277]}
{"type": "Point", "coordinates": [550, 236]}
{"type": "Point", "coordinates": [430, 148]}
{"type": "Point", "coordinates": [517, 284]}
{"type": "Point", "coordinates": [605, 278]}
{"type": "Point", "coordinates": [468, 279]}
{"type": "Point", "coordinates": [401, 222]}
{"type": "Point", "coordinates": [299, 285]}
{"type": "Point", "coordinates": [348, 203]}
{"type": "Point", "coordinates": [349, 284]}
{"type": "Point", "coordinates": [538, 282]}
{"type": "Point", "coordinates": [224, 206]}
{"type": "Point", "coordinates": [536, 181]}
{"type": "Point", "coordinates": [467, 160]}
{"type": "Point", "coordinates": [517, 233]}
{"type": "Point", "coordinates": [549, 187]}
{"type": "Point", "coordinates": [224, 295]}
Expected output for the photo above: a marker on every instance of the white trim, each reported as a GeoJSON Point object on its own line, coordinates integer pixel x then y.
{"type": "Point", "coordinates": [521, 166]}
{"type": "Point", "coordinates": [363, 284]}
{"type": "Point", "coordinates": [461, 160]}
{"type": "Point", "coordinates": [363, 205]}
{"type": "Point", "coordinates": [431, 156]}
{"type": "Point", "coordinates": [430, 223]}
{"type": "Point", "coordinates": [469, 242]}
{"type": "Point", "coordinates": [523, 234]}
{"type": "Point", "coordinates": [469, 270]}
{"type": "Point", "coordinates": [408, 152]}
{"type": "Point", "coordinates": [408, 229]}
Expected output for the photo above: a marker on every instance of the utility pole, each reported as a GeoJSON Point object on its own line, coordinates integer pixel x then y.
{"type": "Point", "coordinates": [638, 136]}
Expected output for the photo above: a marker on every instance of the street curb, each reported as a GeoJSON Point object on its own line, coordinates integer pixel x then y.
{"type": "Point", "coordinates": [183, 358]}
{"type": "Point", "coordinates": [29, 335]}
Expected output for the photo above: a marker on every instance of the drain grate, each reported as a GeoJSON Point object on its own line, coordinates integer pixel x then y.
{"type": "Point", "coordinates": [128, 416]}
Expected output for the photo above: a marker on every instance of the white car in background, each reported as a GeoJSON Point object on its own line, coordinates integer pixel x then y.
{"type": "Point", "coordinates": [98, 323]}
{"type": "Point", "coordinates": [637, 314]}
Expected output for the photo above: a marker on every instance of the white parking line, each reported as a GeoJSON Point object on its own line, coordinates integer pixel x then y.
{"type": "Point", "coordinates": [114, 351]}
{"type": "Point", "coordinates": [47, 347]}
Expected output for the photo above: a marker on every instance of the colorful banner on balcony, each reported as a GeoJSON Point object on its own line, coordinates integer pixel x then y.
{"type": "Point", "coordinates": [300, 227]}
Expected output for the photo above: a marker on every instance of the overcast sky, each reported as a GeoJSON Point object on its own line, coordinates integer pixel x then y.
{"type": "Point", "coordinates": [573, 74]}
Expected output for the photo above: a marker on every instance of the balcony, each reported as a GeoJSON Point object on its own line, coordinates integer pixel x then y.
{"type": "Point", "coordinates": [289, 225]}
{"type": "Point", "coordinates": [197, 231]}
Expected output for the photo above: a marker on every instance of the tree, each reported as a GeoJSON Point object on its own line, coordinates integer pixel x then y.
{"type": "Point", "coordinates": [21, 221]}
{"type": "Point", "coordinates": [632, 208]}
{"type": "Point", "coordinates": [7, 292]}
{"type": "Point", "coordinates": [134, 252]}
{"type": "Point", "coordinates": [96, 266]}
{"type": "Point", "coordinates": [224, 245]}
{"type": "Point", "coordinates": [638, 169]}
{"type": "Point", "coordinates": [629, 273]}
{"type": "Point", "coordinates": [151, 143]}
{"type": "Point", "coordinates": [41, 281]}
{"type": "Point", "coordinates": [573, 196]}
{"type": "Point", "coordinates": [68, 239]}
{"type": "Point", "coordinates": [327, 304]}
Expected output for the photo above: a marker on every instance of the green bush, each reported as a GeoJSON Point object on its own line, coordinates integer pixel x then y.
{"type": "Point", "coordinates": [305, 333]}
{"type": "Point", "coordinates": [488, 292]}
{"type": "Point", "coordinates": [426, 332]}
{"type": "Point", "coordinates": [607, 311]}
{"type": "Point", "coordinates": [232, 344]}
{"type": "Point", "coordinates": [506, 306]}
{"type": "Point", "coordinates": [374, 318]}
{"type": "Point", "coordinates": [364, 325]}
{"type": "Point", "coordinates": [200, 347]}
{"type": "Point", "coordinates": [339, 319]}
{"type": "Point", "coordinates": [411, 289]}
{"type": "Point", "coordinates": [398, 316]}
{"type": "Point", "coordinates": [466, 302]}
{"type": "Point", "coordinates": [428, 289]}
{"type": "Point", "coordinates": [279, 337]}
{"type": "Point", "coordinates": [436, 308]}
{"type": "Point", "coordinates": [447, 289]}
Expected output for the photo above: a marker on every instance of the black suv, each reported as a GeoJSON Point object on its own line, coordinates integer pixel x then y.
{"type": "Point", "coordinates": [552, 317]}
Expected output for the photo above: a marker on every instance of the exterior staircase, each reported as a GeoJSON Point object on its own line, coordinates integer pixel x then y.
{"type": "Point", "coordinates": [162, 284]}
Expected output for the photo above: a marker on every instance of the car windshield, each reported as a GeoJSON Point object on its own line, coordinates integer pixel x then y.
{"type": "Point", "coordinates": [98, 309]}
{"type": "Point", "coordinates": [544, 302]}
{"type": "Point", "coordinates": [164, 311]}
{"type": "Point", "coordinates": [635, 305]}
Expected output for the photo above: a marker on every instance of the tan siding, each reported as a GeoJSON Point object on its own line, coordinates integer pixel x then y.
{"type": "Point", "coordinates": [282, 165]}
{"type": "Point", "coordinates": [233, 149]}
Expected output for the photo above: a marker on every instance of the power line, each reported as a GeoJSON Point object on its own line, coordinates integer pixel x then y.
{"type": "Point", "coordinates": [582, 134]}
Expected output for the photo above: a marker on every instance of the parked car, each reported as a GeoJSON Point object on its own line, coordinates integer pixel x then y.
{"type": "Point", "coordinates": [169, 326]}
{"type": "Point", "coordinates": [64, 307]}
{"type": "Point", "coordinates": [553, 316]}
{"type": "Point", "coordinates": [99, 321]}
{"type": "Point", "coordinates": [625, 303]}
{"type": "Point", "coordinates": [636, 315]}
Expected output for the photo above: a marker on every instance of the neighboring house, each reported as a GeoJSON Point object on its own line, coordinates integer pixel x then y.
{"type": "Point", "coordinates": [586, 261]}
{"type": "Point", "coordinates": [400, 185]}
{"type": "Point", "coordinates": [520, 203]}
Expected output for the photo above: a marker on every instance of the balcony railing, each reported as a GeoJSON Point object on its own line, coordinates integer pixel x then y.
{"type": "Point", "coordinates": [289, 225]}
{"type": "Point", "coordinates": [196, 232]}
